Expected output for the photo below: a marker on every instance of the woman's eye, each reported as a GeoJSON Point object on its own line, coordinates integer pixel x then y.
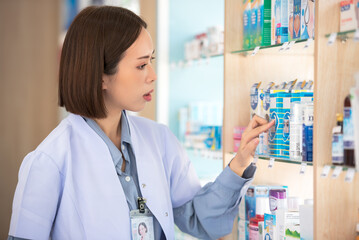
{"type": "Point", "coordinates": [142, 66]}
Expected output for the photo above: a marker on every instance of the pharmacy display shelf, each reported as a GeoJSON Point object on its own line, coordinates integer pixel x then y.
{"type": "Point", "coordinates": [303, 46]}
{"type": "Point", "coordinates": [331, 68]}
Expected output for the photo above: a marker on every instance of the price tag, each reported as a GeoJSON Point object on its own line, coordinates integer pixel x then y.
{"type": "Point", "coordinates": [289, 45]}
{"type": "Point", "coordinates": [303, 166]}
{"type": "Point", "coordinates": [356, 36]}
{"type": "Point", "coordinates": [271, 163]}
{"type": "Point", "coordinates": [332, 38]}
{"type": "Point", "coordinates": [255, 51]}
{"type": "Point", "coordinates": [255, 159]}
{"type": "Point", "coordinates": [308, 42]}
{"type": "Point", "coordinates": [284, 46]}
{"type": "Point", "coordinates": [337, 171]}
{"type": "Point", "coordinates": [325, 171]}
{"type": "Point", "coordinates": [350, 175]}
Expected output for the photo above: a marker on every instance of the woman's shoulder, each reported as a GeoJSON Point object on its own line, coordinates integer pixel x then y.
{"type": "Point", "coordinates": [59, 135]}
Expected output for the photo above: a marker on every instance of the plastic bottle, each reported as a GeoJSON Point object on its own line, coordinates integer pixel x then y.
{"type": "Point", "coordinates": [306, 219]}
{"type": "Point", "coordinates": [277, 199]}
{"type": "Point", "coordinates": [262, 207]}
{"type": "Point", "coordinates": [337, 142]}
{"type": "Point", "coordinates": [348, 136]}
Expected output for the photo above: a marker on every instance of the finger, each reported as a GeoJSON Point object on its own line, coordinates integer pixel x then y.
{"type": "Point", "coordinates": [252, 145]}
{"type": "Point", "coordinates": [256, 121]}
{"type": "Point", "coordinates": [256, 131]}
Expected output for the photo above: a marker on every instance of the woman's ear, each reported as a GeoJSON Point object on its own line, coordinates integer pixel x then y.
{"type": "Point", "coordinates": [105, 81]}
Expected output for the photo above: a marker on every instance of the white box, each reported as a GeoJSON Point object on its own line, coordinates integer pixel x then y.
{"type": "Point", "coordinates": [287, 224]}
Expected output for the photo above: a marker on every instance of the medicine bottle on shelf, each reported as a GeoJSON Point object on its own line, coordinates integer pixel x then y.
{"type": "Point", "coordinates": [337, 142]}
{"type": "Point", "coordinates": [348, 133]}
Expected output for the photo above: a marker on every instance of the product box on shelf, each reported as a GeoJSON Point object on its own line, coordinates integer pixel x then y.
{"type": "Point", "coordinates": [296, 21]}
{"type": "Point", "coordinates": [348, 17]}
{"type": "Point", "coordinates": [290, 19]}
{"type": "Point", "coordinates": [250, 199]}
{"type": "Point", "coordinates": [288, 224]}
{"type": "Point", "coordinates": [273, 22]}
{"type": "Point", "coordinates": [307, 19]}
{"type": "Point", "coordinates": [270, 227]}
{"type": "Point", "coordinates": [254, 23]}
{"type": "Point", "coordinates": [264, 22]}
{"type": "Point", "coordinates": [307, 147]}
{"type": "Point", "coordinates": [256, 104]}
{"type": "Point", "coordinates": [277, 146]}
{"type": "Point", "coordinates": [246, 24]}
{"type": "Point", "coordinates": [263, 146]}
{"type": "Point", "coordinates": [286, 117]}
{"type": "Point", "coordinates": [281, 21]}
{"type": "Point", "coordinates": [241, 221]}
{"type": "Point", "coordinates": [306, 95]}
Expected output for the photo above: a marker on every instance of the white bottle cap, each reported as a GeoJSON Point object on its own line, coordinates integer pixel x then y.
{"type": "Point", "coordinates": [262, 205]}
{"type": "Point", "coordinates": [293, 204]}
{"type": "Point", "coordinates": [337, 129]}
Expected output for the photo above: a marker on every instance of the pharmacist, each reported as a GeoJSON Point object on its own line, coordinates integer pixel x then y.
{"type": "Point", "coordinates": [102, 174]}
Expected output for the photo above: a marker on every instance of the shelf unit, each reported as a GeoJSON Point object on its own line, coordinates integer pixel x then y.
{"type": "Point", "coordinates": [336, 202]}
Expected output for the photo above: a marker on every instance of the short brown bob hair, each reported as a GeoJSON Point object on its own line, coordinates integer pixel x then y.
{"type": "Point", "coordinates": [95, 43]}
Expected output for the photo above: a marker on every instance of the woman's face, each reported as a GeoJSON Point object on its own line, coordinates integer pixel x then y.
{"type": "Point", "coordinates": [131, 87]}
{"type": "Point", "coordinates": [143, 230]}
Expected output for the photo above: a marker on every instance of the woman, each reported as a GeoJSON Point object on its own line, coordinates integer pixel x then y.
{"type": "Point", "coordinates": [101, 169]}
{"type": "Point", "coordinates": [142, 231]}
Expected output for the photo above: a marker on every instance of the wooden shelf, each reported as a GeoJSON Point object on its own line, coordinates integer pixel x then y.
{"type": "Point", "coordinates": [331, 67]}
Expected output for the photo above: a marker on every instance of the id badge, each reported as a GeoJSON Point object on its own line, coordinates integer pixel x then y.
{"type": "Point", "coordinates": [142, 225]}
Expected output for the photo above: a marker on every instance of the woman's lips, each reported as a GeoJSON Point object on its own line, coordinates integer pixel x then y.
{"type": "Point", "coordinates": [148, 96]}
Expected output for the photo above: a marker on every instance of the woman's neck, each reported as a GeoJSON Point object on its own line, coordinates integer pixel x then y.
{"type": "Point", "coordinates": [111, 126]}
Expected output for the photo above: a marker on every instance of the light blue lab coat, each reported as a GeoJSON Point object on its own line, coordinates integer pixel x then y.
{"type": "Point", "coordinates": [68, 187]}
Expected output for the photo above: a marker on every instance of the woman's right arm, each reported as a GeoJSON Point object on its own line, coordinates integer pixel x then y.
{"type": "Point", "coordinates": [36, 197]}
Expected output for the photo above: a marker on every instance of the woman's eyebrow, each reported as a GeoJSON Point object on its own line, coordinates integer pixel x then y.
{"type": "Point", "coordinates": [147, 56]}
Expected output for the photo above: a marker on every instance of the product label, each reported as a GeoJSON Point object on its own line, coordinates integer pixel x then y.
{"type": "Point", "coordinates": [348, 129]}
{"type": "Point", "coordinates": [272, 203]}
{"type": "Point", "coordinates": [246, 24]}
{"type": "Point", "coordinates": [296, 131]}
{"type": "Point", "coordinates": [253, 232]}
{"type": "Point", "coordinates": [286, 120]}
{"type": "Point", "coordinates": [266, 101]}
{"type": "Point", "coordinates": [296, 19]}
{"type": "Point", "coordinates": [273, 129]}
{"type": "Point", "coordinates": [254, 101]}
{"type": "Point", "coordinates": [337, 149]}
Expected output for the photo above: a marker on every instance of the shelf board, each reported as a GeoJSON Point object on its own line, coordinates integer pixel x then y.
{"type": "Point", "coordinates": [298, 47]}
{"type": "Point", "coordinates": [345, 168]}
{"type": "Point", "coordinates": [349, 33]}
{"type": "Point", "coordinates": [186, 63]}
{"type": "Point", "coordinates": [283, 160]}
